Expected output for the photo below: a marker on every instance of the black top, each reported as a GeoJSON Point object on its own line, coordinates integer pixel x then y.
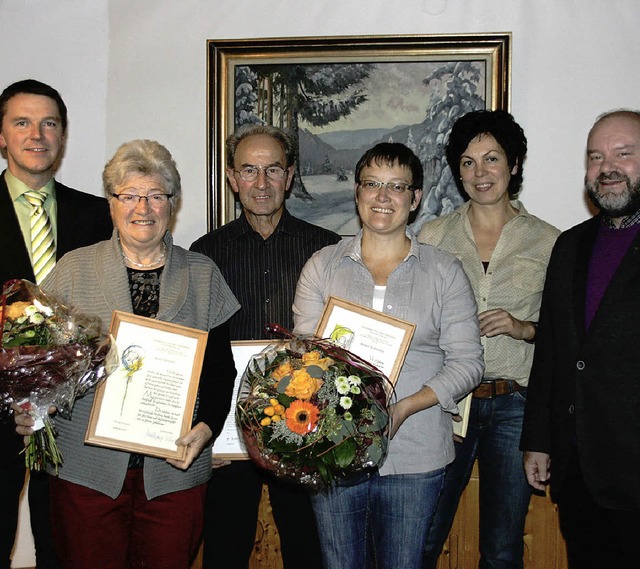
{"type": "Point", "coordinates": [213, 404]}
{"type": "Point", "coordinates": [263, 273]}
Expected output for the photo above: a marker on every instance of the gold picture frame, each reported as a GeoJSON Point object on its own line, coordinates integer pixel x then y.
{"type": "Point", "coordinates": [147, 416]}
{"type": "Point", "coordinates": [340, 95]}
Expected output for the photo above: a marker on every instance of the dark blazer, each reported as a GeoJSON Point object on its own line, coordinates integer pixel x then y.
{"type": "Point", "coordinates": [83, 219]}
{"type": "Point", "coordinates": [584, 388]}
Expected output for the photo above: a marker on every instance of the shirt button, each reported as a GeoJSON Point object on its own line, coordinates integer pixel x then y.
{"type": "Point", "coordinates": [580, 365]}
{"type": "Point", "coordinates": [571, 409]}
{"type": "Point", "coordinates": [267, 300]}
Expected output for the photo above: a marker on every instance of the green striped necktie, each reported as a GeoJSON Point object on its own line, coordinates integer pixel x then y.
{"type": "Point", "coordinates": [43, 247]}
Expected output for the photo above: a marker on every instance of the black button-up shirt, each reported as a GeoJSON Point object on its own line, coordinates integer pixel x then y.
{"type": "Point", "coordinates": [263, 273]}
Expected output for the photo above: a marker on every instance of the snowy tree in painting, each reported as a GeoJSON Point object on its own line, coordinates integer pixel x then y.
{"type": "Point", "coordinates": [455, 93]}
{"type": "Point", "coordinates": [246, 96]}
{"type": "Point", "coordinates": [283, 95]}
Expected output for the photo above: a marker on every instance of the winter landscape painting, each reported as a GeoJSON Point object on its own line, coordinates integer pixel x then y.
{"type": "Point", "coordinates": [340, 96]}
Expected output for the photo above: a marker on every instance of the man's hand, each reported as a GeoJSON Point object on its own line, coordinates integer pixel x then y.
{"type": "Point", "coordinates": [537, 466]}
{"type": "Point", "coordinates": [195, 440]}
{"type": "Point", "coordinates": [498, 321]}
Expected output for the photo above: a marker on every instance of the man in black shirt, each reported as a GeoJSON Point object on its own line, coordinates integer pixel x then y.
{"type": "Point", "coordinates": [260, 255]}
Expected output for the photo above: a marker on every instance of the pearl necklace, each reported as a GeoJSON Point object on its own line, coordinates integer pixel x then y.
{"type": "Point", "coordinates": [147, 265]}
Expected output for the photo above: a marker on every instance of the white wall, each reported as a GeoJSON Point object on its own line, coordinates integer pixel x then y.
{"type": "Point", "coordinates": [137, 68]}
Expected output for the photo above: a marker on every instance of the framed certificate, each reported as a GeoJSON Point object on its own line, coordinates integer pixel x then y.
{"type": "Point", "coordinates": [230, 444]}
{"type": "Point", "coordinates": [148, 401]}
{"type": "Point", "coordinates": [464, 406]}
{"type": "Point", "coordinates": [380, 339]}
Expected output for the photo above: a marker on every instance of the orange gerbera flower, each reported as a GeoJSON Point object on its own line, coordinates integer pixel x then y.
{"type": "Point", "coordinates": [302, 417]}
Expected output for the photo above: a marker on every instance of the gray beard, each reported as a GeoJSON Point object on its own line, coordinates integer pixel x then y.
{"type": "Point", "coordinates": [617, 206]}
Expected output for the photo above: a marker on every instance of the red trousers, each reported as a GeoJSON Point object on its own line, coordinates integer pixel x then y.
{"type": "Point", "coordinates": [93, 531]}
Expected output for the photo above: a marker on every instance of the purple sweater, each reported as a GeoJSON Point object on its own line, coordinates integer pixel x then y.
{"type": "Point", "coordinates": [610, 247]}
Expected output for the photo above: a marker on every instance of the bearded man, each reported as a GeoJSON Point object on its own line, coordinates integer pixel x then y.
{"type": "Point", "coordinates": [582, 421]}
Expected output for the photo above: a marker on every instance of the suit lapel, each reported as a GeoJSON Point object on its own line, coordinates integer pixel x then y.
{"type": "Point", "coordinates": [581, 274]}
{"type": "Point", "coordinates": [67, 221]}
{"type": "Point", "coordinates": [14, 257]}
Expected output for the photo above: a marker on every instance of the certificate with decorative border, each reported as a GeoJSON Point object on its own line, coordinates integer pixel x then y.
{"type": "Point", "coordinates": [148, 401]}
{"type": "Point", "coordinates": [378, 338]}
{"type": "Point", "coordinates": [230, 444]}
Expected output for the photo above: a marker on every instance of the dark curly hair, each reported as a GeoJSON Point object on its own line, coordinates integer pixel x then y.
{"type": "Point", "coordinates": [499, 124]}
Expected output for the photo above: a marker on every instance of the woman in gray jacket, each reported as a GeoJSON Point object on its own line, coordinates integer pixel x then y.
{"type": "Point", "coordinates": [114, 509]}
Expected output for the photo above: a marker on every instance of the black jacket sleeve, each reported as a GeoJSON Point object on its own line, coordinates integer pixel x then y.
{"type": "Point", "coordinates": [216, 380]}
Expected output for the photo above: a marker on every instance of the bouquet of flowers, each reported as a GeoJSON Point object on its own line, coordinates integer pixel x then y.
{"type": "Point", "coordinates": [312, 412]}
{"type": "Point", "coordinates": [49, 355]}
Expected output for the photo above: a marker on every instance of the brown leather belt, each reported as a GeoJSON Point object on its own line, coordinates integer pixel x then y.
{"type": "Point", "coordinates": [495, 387]}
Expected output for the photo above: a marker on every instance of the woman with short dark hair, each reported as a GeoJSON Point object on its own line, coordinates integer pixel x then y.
{"type": "Point", "coordinates": [385, 514]}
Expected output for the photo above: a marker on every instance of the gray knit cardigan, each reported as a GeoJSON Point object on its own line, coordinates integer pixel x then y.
{"type": "Point", "coordinates": [94, 280]}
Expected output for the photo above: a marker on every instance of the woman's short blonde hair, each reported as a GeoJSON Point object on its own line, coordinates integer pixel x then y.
{"type": "Point", "coordinates": [144, 157]}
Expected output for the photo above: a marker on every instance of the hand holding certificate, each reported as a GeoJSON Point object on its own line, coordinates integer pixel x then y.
{"type": "Point", "coordinates": [147, 403]}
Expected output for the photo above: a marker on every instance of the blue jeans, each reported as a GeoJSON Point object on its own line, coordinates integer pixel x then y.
{"type": "Point", "coordinates": [493, 437]}
{"type": "Point", "coordinates": [382, 521]}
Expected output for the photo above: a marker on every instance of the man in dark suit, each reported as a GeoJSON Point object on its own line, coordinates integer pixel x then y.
{"type": "Point", "coordinates": [582, 420]}
{"type": "Point", "coordinates": [33, 123]}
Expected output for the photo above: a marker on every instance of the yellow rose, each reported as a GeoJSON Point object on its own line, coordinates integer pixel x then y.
{"type": "Point", "coordinates": [313, 358]}
{"type": "Point", "coordinates": [282, 370]}
{"type": "Point", "coordinates": [16, 309]}
{"type": "Point", "coordinates": [302, 385]}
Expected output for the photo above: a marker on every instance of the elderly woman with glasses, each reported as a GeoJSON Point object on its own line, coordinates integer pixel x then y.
{"type": "Point", "coordinates": [112, 508]}
{"type": "Point", "coordinates": [384, 516]}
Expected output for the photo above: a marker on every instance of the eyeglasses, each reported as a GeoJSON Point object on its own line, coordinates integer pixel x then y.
{"type": "Point", "coordinates": [373, 186]}
{"type": "Point", "coordinates": [154, 200]}
{"type": "Point", "coordinates": [250, 173]}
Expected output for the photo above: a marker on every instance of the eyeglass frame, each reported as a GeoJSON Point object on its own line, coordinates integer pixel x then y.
{"type": "Point", "coordinates": [162, 202]}
{"type": "Point", "coordinates": [263, 168]}
{"type": "Point", "coordinates": [387, 186]}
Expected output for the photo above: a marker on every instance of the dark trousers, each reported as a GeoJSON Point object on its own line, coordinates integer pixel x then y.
{"type": "Point", "coordinates": [40, 517]}
{"type": "Point", "coordinates": [495, 427]}
{"type": "Point", "coordinates": [12, 475]}
{"type": "Point", "coordinates": [11, 483]}
{"type": "Point", "coordinates": [231, 515]}
{"type": "Point", "coordinates": [595, 536]}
